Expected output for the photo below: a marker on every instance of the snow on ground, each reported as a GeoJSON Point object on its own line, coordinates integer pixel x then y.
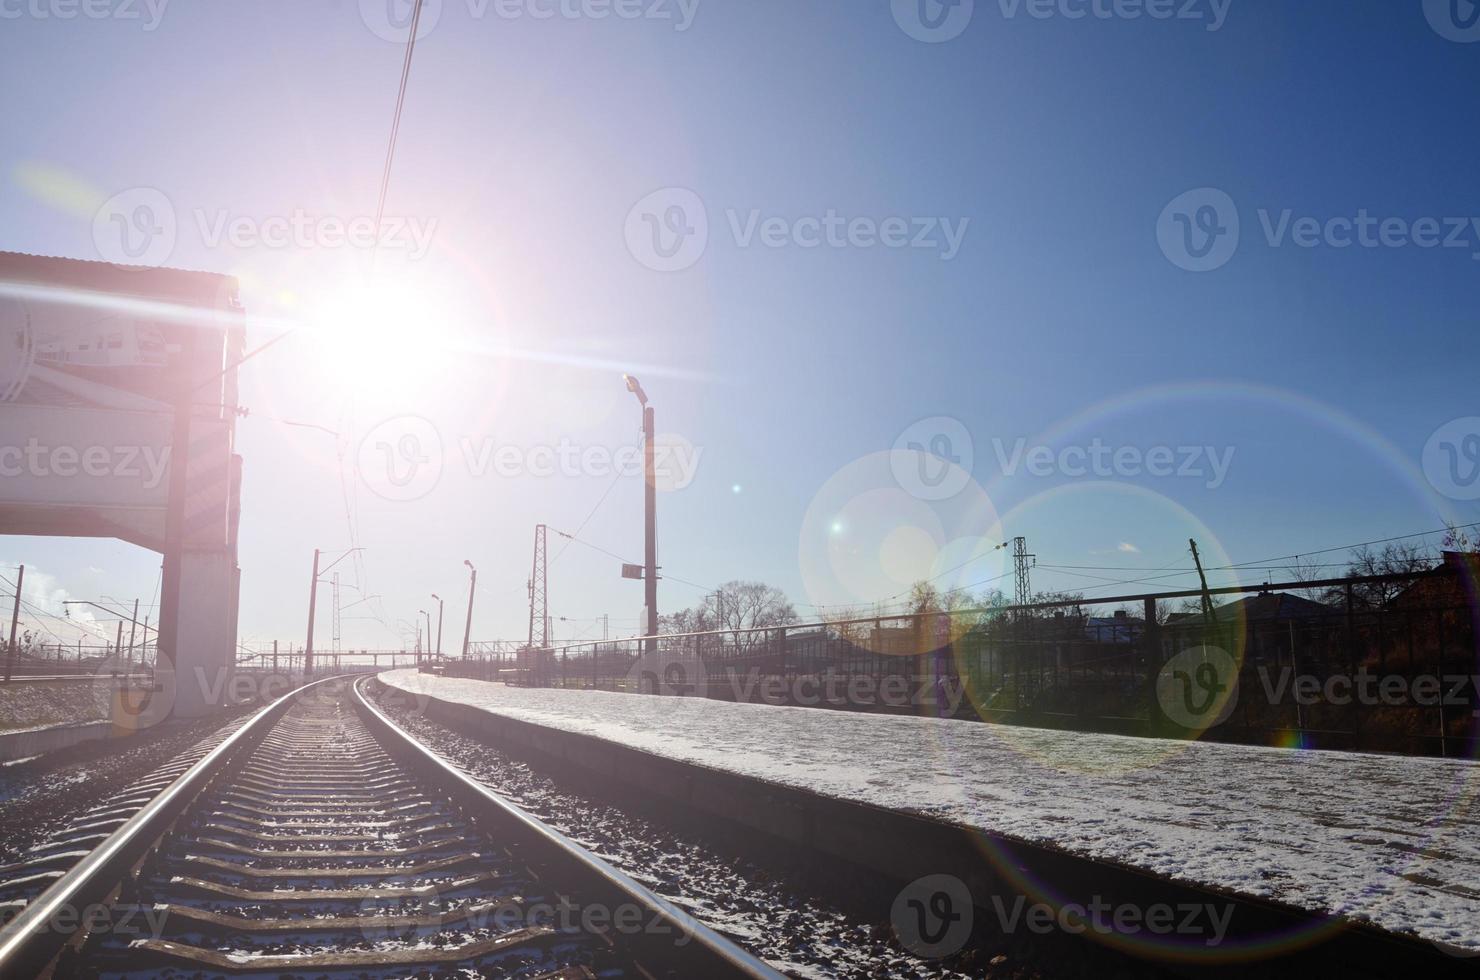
{"type": "Point", "coordinates": [28, 704]}
{"type": "Point", "coordinates": [1392, 840]}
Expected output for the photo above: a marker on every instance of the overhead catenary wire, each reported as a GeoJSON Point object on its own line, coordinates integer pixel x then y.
{"type": "Point", "coordinates": [1270, 561]}
{"type": "Point", "coordinates": [613, 554]}
{"type": "Point", "coordinates": [390, 151]}
{"type": "Point", "coordinates": [582, 526]}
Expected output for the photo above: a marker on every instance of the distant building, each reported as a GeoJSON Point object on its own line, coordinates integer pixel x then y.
{"type": "Point", "coordinates": [1444, 591]}
{"type": "Point", "coordinates": [1273, 607]}
{"type": "Point", "coordinates": [1265, 607]}
{"type": "Point", "coordinates": [1122, 628]}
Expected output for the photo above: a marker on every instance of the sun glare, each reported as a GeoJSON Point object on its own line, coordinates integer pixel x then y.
{"type": "Point", "coordinates": [383, 332]}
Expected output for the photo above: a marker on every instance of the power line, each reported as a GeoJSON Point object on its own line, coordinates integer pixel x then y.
{"type": "Point", "coordinates": [385, 182]}
{"type": "Point", "coordinates": [390, 152]}
{"type": "Point", "coordinates": [1268, 561]}
{"type": "Point", "coordinates": [609, 488]}
{"type": "Point", "coordinates": [613, 554]}
{"type": "Point", "coordinates": [1181, 572]}
{"type": "Point", "coordinates": [1176, 571]}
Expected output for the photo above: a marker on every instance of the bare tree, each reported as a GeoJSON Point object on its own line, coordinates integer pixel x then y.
{"type": "Point", "coordinates": [924, 598]}
{"type": "Point", "coordinates": [848, 623]}
{"type": "Point", "coordinates": [683, 621]}
{"type": "Point", "coordinates": [748, 605]}
{"type": "Point", "coordinates": [1070, 604]}
{"type": "Point", "coordinates": [1457, 538]}
{"type": "Point", "coordinates": [736, 606]}
{"type": "Point", "coordinates": [1308, 570]}
{"type": "Point", "coordinates": [1395, 558]}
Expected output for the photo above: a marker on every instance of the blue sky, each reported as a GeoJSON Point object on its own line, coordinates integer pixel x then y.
{"type": "Point", "coordinates": [1054, 144]}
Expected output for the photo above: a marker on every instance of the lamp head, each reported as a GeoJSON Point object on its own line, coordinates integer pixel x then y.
{"type": "Point", "coordinates": [635, 386]}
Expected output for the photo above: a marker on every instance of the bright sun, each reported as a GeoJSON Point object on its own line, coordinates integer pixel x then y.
{"type": "Point", "coordinates": [377, 332]}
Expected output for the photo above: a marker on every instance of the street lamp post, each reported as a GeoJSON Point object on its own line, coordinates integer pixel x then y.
{"type": "Point", "coordinates": [650, 514]}
{"type": "Point", "coordinates": [472, 586]}
{"type": "Point", "coordinates": [425, 648]}
{"type": "Point", "coordinates": [440, 611]}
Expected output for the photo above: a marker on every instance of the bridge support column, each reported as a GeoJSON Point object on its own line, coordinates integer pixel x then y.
{"type": "Point", "coordinates": [206, 643]}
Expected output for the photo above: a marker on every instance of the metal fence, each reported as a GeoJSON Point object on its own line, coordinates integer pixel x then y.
{"type": "Point", "coordinates": [1386, 662]}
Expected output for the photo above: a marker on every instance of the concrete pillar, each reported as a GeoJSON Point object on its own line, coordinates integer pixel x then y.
{"type": "Point", "coordinates": [205, 653]}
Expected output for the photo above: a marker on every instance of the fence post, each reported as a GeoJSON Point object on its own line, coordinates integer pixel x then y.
{"type": "Point", "coordinates": [1439, 672]}
{"type": "Point", "coordinates": [1351, 662]}
{"type": "Point", "coordinates": [1151, 641]}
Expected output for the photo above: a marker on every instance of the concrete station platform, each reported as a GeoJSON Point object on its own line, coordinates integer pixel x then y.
{"type": "Point", "coordinates": [1379, 853]}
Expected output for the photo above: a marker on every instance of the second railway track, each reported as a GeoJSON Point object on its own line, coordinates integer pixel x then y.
{"type": "Point", "coordinates": [320, 840]}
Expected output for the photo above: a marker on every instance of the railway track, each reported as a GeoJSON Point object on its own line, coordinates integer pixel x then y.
{"type": "Point", "coordinates": [321, 840]}
{"type": "Point", "coordinates": [46, 862]}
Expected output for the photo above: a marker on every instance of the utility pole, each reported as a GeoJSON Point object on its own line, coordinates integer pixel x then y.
{"type": "Point", "coordinates": [472, 587]}
{"type": "Point", "coordinates": [650, 514]}
{"type": "Point", "coordinates": [313, 602]}
{"type": "Point", "coordinates": [1210, 613]}
{"type": "Point", "coordinates": [440, 611]}
{"type": "Point", "coordinates": [132, 629]}
{"type": "Point", "coordinates": [334, 636]}
{"type": "Point", "coordinates": [539, 618]}
{"type": "Point", "coordinates": [15, 618]}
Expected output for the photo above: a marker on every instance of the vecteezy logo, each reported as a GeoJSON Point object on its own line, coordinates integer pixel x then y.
{"type": "Point", "coordinates": [932, 459]}
{"type": "Point", "coordinates": [933, 21]}
{"type": "Point", "coordinates": [667, 674]}
{"type": "Point", "coordinates": [668, 230]}
{"type": "Point", "coordinates": [140, 701]}
{"type": "Point", "coordinates": [932, 916]}
{"type": "Point", "coordinates": [401, 458]}
{"type": "Point", "coordinates": [1451, 459]}
{"type": "Point", "coordinates": [1454, 20]}
{"type": "Point", "coordinates": [136, 228]}
{"type": "Point", "coordinates": [675, 462]}
{"type": "Point", "coordinates": [1198, 688]}
{"type": "Point", "coordinates": [390, 20]}
{"type": "Point", "coordinates": [1199, 230]}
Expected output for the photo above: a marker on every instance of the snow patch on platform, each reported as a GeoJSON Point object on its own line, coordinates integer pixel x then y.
{"type": "Point", "coordinates": [1391, 840]}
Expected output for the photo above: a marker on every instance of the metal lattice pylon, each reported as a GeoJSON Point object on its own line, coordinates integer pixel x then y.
{"type": "Point", "coordinates": [539, 613]}
{"type": "Point", "coordinates": [1021, 562]}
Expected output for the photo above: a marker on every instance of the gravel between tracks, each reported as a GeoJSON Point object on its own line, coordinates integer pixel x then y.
{"type": "Point", "coordinates": [41, 794]}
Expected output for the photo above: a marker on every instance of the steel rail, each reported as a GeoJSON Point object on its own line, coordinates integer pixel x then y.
{"type": "Point", "coordinates": [682, 940]}
{"type": "Point", "coordinates": [32, 940]}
